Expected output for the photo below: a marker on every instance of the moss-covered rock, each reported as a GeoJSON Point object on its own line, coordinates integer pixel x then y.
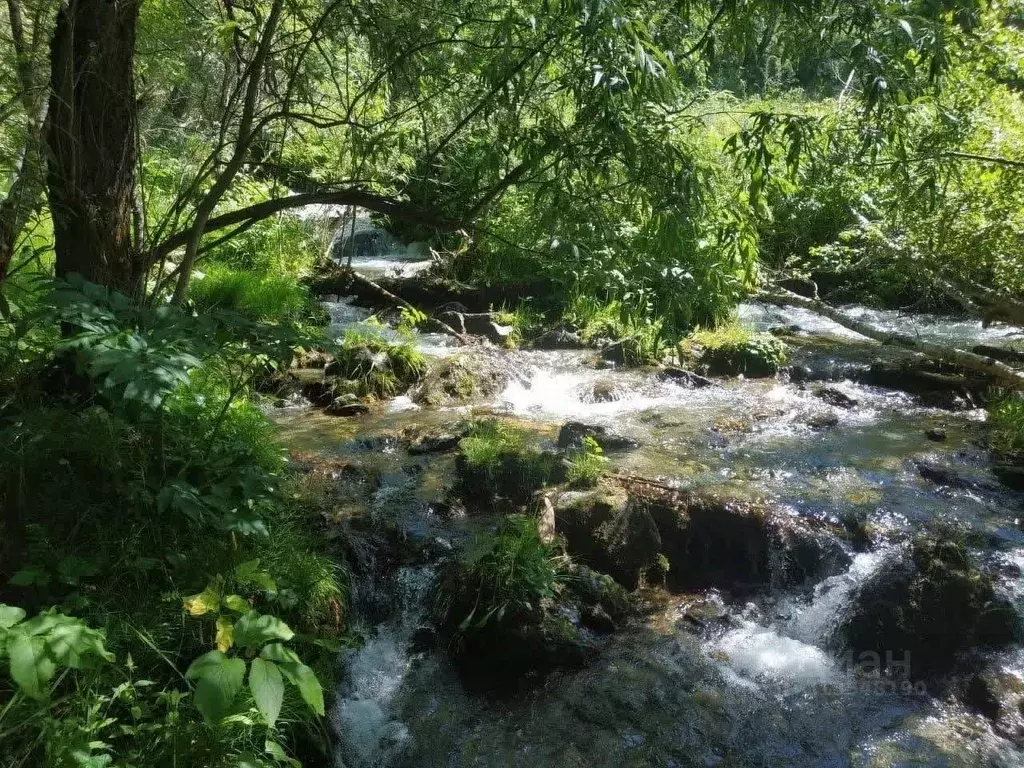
{"type": "Point", "coordinates": [603, 529]}
{"type": "Point", "coordinates": [366, 366]}
{"type": "Point", "coordinates": [693, 541]}
{"type": "Point", "coordinates": [459, 379]}
{"type": "Point", "coordinates": [498, 606]}
{"type": "Point", "coordinates": [925, 605]}
{"type": "Point", "coordinates": [756, 355]}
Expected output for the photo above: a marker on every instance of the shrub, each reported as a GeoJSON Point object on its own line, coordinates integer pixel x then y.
{"type": "Point", "coordinates": [1006, 417]}
{"type": "Point", "coordinates": [586, 464]}
{"type": "Point", "coordinates": [640, 338]}
{"type": "Point", "coordinates": [141, 493]}
{"type": "Point", "coordinates": [254, 295]}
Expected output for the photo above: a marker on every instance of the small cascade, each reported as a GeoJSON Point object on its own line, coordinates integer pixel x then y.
{"type": "Point", "coordinates": [368, 735]}
{"type": "Point", "coordinates": [375, 252]}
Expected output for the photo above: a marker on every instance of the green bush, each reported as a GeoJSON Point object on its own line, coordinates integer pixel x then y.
{"type": "Point", "coordinates": [505, 577]}
{"type": "Point", "coordinates": [140, 491]}
{"type": "Point", "coordinates": [254, 295]}
{"type": "Point", "coordinates": [641, 337]}
{"type": "Point", "coordinates": [586, 464]}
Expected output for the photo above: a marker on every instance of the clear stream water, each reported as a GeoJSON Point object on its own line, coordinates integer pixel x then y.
{"type": "Point", "coordinates": [759, 691]}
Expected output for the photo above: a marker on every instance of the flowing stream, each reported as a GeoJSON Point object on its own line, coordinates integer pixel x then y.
{"type": "Point", "coordinates": [756, 685]}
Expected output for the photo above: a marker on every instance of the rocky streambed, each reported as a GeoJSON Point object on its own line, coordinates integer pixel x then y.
{"type": "Point", "coordinates": [818, 568]}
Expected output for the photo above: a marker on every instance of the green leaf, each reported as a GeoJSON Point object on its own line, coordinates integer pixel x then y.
{"type": "Point", "coordinates": [31, 668]}
{"type": "Point", "coordinates": [220, 679]}
{"type": "Point", "coordinates": [267, 687]}
{"type": "Point", "coordinates": [279, 653]}
{"type": "Point", "coordinates": [237, 603]}
{"type": "Point", "coordinates": [205, 602]}
{"type": "Point", "coordinates": [303, 678]}
{"type": "Point", "coordinates": [10, 615]}
{"type": "Point", "coordinates": [253, 630]}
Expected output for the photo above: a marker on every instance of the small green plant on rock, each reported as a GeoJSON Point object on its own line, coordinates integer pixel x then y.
{"type": "Point", "coordinates": [497, 459]}
{"type": "Point", "coordinates": [505, 577]}
{"type": "Point", "coordinates": [367, 366]}
{"type": "Point", "coordinates": [1007, 437]}
{"type": "Point", "coordinates": [586, 464]}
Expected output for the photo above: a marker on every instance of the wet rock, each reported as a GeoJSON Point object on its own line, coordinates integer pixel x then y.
{"type": "Point", "coordinates": [823, 420]}
{"type": "Point", "coordinates": [616, 353]}
{"type": "Point", "coordinates": [997, 694]}
{"type": "Point", "coordinates": [608, 533]}
{"type": "Point", "coordinates": [424, 638]}
{"type": "Point", "coordinates": [596, 618]}
{"type": "Point", "coordinates": [558, 338]}
{"type": "Point", "coordinates": [836, 397]}
{"type": "Point", "coordinates": [319, 393]}
{"type": "Point", "coordinates": [435, 443]}
{"type": "Point", "coordinates": [1010, 475]}
{"type": "Point", "coordinates": [546, 521]}
{"type": "Point", "coordinates": [346, 406]}
{"type": "Point", "coordinates": [605, 391]}
{"type": "Point", "coordinates": [952, 477]}
{"type": "Point", "coordinates": [798, 374]}
{"type": "Point", "coordinates": [785, 330]}
{"type": "Point", "coordinates": [513, 475]}
{"type": "Point", "coordinates": [684, 378]}
{"type": "Point", "coordinates": [573, 433]}
{"type": "Point", "coordinates": [704, 541]}
{"type": "Point", "coordinates": [921, 609]}
{"type": "Point", "coordinates": [599, 589]}
{"type": "Point", "coordinates": [935, 385]}
{"type": "Point", "coordinates": [715, 542]}
{"type": "Point", "coordinates": [459, 379]}
{"type": "Point", "coordinates": [936, 435]}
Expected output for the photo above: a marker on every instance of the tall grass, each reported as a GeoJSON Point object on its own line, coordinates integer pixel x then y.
{"type": "Point", "coordinates": [255, 295]}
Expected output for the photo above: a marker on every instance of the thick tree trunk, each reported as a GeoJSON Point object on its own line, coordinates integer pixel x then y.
{"type": "Point", "coordinates": [92, 141]}
{"type": "Point", "coordinates": [1000, 372]}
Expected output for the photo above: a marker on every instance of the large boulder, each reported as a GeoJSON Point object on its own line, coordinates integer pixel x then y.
{"type": "Point", "coordinates": [711, 541]}
{"type": "Point", "coordinates": [558, 338]}
{"type": "Point", "coordinates": [604, 530]}
{"type": "Point", "coordinates": [704, 541]}
{"type": "Point", "coordinates": [925, 605]}
{"type": "Point", "coordinates": [461, 378]}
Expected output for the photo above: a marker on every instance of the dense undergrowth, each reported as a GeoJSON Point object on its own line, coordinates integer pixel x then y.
{"type": "Point", "coordinates": [143, 494]}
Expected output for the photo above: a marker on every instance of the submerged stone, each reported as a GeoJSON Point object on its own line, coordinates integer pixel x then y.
{"type": "Point", "coordinates": [573, 433]}
{"type": "Point", "coordinates": [684, 378]}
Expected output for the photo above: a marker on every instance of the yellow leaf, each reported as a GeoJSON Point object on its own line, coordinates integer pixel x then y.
{"type": "Point", "coordinates": [205, 602]}
{"type": "Point", "coordinates": [225, 634]}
